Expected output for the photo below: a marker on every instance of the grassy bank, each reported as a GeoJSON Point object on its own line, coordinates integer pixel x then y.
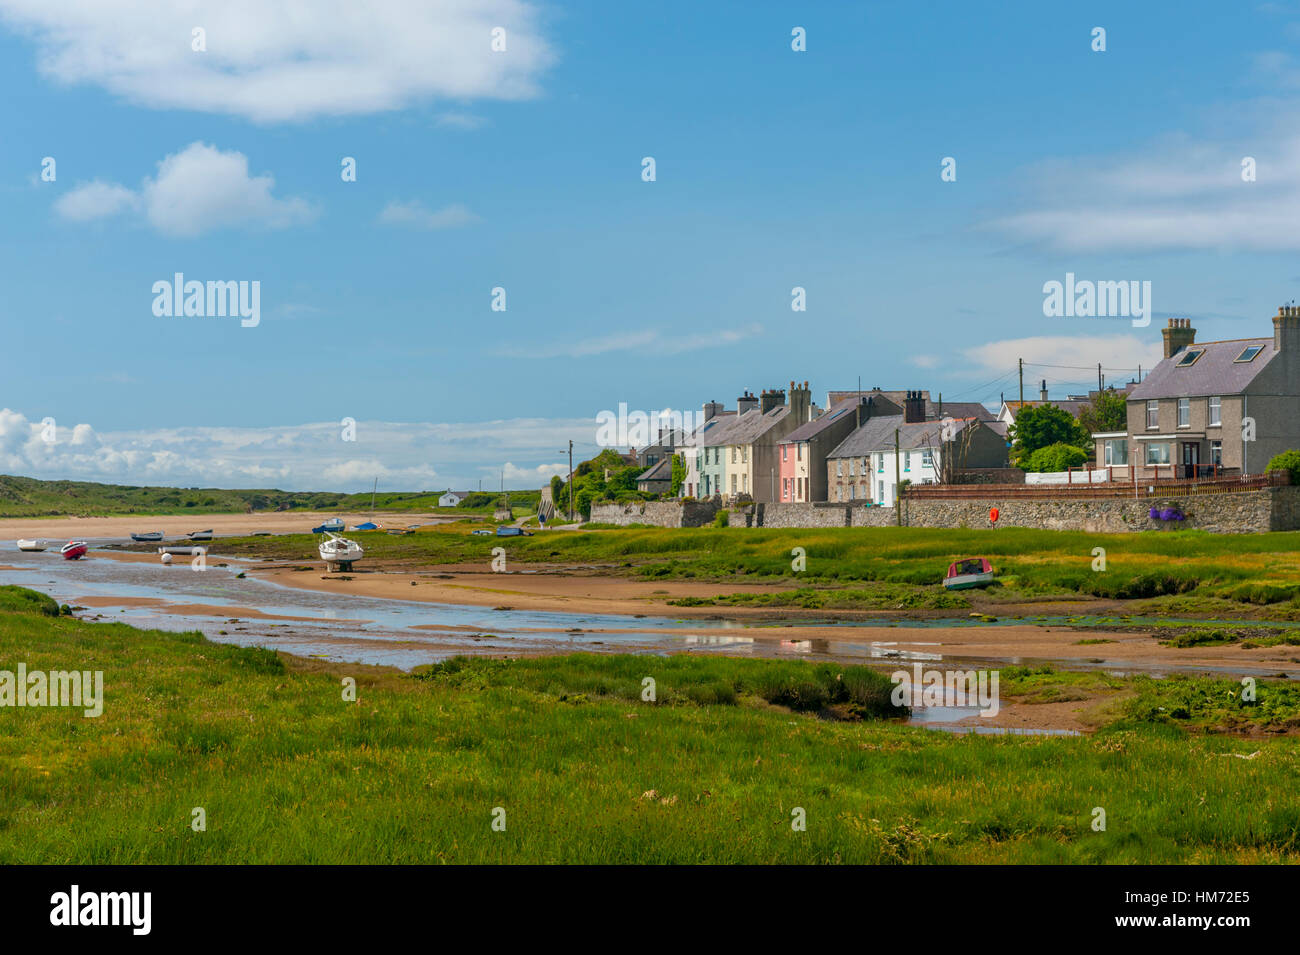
{"type": "Point", "coordinates": [586, 771]}
{"type": "Point", "coordinates": [29, 497]}
{"type": "Point", "coordinates": [1186, 572]}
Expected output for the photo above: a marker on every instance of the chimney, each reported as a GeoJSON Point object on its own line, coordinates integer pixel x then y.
{"type": "Point", "coordinates": [1042, 390]}
{"type": "Point", "coordinates": [1179, 334]}
{"type": "Point", "coordinates": [746, 402]}
{"type": "Point", "coordinates": [913, 407]}
{"type": "Point", "coordinates": [771, 398]}
{"type": "Point", "coordinates": [1286, 329]}
{"type": "Point", "coordinates": [800, 402]}
{"type": "Point", "coordinates": [712, 410]}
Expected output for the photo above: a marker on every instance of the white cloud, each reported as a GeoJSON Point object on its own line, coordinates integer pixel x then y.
{"type": "Point", "coordinates": [414, 214]}
{"type": "Point", "coordinates": [404, 456]}
{"type": "Point", "coordinates": [460, 120]}
{"type": "Point", "coordinates": [196, 190]}
{"type": "Point", "coordinates": [1180, 195]}
{"type": "Point", "coordinates": [95, 200]}
{"type": "Point", "coordinates": [1078, 352]}
{"type": "Point", "coordinates": [651, 341]}
{"type": "Point", "coordinates": [288, 60]}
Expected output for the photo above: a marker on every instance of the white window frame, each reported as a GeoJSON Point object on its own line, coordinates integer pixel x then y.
{"type": "Point", "coordinates": [1215, 416]}
{"type": "Point", "coordinates": [1184, 412]}
{"type": "Point", "coordinates": [1153, 415]}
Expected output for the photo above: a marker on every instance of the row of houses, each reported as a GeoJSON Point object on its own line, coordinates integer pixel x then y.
{"type": "Point", "coordinates": [1206, 410]}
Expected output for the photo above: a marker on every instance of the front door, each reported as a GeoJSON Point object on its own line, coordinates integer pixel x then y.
{"type": "Point", "coordinates": [1191, 458]}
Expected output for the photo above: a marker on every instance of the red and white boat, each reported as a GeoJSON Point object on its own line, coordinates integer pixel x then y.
{"type": "Point", "coordinates": [74, 550]}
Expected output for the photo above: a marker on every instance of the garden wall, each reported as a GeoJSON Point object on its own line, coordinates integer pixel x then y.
{"type": "Point", "coordinates": [1237, 512]}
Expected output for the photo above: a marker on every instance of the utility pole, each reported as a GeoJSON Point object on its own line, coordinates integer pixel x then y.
{"type": "Point", "coordinates": [898, 485]}
{"type": "Point", "coordinates": [570, 480]}
{"type": "Point", "coordinates": [1099, 386]}
{"type": "Point", "coordinates": [1022, 381]}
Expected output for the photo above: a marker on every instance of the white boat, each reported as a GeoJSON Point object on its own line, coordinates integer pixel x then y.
{"type": "Point", "coordinates": [31, 545]}
{"type": "Point", "coordinates": [339, 552]}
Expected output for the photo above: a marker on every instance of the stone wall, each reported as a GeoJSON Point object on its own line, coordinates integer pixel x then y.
{"type": "Point", "coordinates": [1240, 512]}
{"type": "Point", "coordinates": [657, 513]}
{"type": "Point", "coordinates": [989, 476]}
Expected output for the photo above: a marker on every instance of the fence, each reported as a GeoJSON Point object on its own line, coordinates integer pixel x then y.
{"type": "Point", "coordinates": [1163, 487]}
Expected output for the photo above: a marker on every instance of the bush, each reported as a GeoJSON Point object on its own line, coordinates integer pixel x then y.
{"type": "Point", "coordinates": [1055, 457]}
{"type": "Point", "coordinates": [1288, 461]}
{"type": "Point", "coordinates": [722, 519]}
{"type": "Point", "coordinates": [28, 601]}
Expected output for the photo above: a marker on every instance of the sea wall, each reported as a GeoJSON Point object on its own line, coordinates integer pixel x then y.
{"type": "Point", "coordinates": [1238, 512]}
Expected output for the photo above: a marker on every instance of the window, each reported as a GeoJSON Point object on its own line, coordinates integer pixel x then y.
{"type": "Point", "coordinates": [907, 460]}
{"type": "Point", "coordinates": [1153, 415]}
{"type": "Point", "coordinates": [1216, 410]}
{"type": "Point", "coordinates": [1184, 412]}
{"type": "Point", "coordinates": [852, 489]}
{"type": "Point", "coordinates": [839, 467]}
{"type": "Point", "coordinates": [744, 454]}
{"type": "Point", "coordinates": [839, 493]}
{"type": "Point", "coordinates": [851, 465]}
{"type": "Point", "coordinates": [744, 482]}
{"type": "Point", "coordinates": [927, 459]}
{"type": "Point", "coordinates": [880, 490]}
{"type": "Point", "coordinates": [1216, 453]}
{"type": "Point", "coordinates": [733, 484]}
{"type": "Point", "coordinates": [1157, 452]}
{"type": "Point", "coordinates": [733, 455]}
{"type": "Point", "coordinates": [864, 465]}
{"type": "Point", "coordinates": [798, 452]}
{"type": "Point", "coordinates": [1116, 452]}
{"type": "Point", "coordinates": [785, 452]}
{"type": "Point", "coordinates": [880, 464]}
{"type": "Point", "coordinates": [1189, 357]}
{"type": "Point", "coordinates": [1249, 353]}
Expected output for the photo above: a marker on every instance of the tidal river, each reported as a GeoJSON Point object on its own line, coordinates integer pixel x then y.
{"type": "Point", "coordinates": [397, 633]}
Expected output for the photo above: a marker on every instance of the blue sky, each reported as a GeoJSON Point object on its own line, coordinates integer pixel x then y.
{"type": "Point", "coordinates": [775, 169]}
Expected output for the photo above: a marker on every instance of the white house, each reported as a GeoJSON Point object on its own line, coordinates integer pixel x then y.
{"type": "Point", "coordinates": [452, 498]}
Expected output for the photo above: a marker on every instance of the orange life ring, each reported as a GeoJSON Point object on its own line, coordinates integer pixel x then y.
{"type": "Point", "coordinates": [993, 514]}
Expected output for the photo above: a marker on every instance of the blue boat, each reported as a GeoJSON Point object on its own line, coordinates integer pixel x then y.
{"type": "Point", "coordinates": [332, 525]}
{"type": "Point", "coordinates": [367, 526]}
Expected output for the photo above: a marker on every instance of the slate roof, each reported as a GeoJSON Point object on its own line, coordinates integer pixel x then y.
{"type": "Point", "coordinates": [1070, 405]}
{"type": "Point", "coordinates": [810, 429]}
{"type": "Point", "coordinates": [877, 434]}
{"type": "Point", "coordinates": [744, 429]}
{"type": "Point", "coordinates": [661, 470]}
{"type": "Point", "coordinates": [1216, 372]}
{"type": "Point", "coordinates": [962, 409]}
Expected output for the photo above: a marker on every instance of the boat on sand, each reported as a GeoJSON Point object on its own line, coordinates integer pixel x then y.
{"type": "Point", "coordinates": [74, 550]}
{"type": "Point", "coordinates": [32, 546]}
{"type": "Point", "coordinates": [339, 552]}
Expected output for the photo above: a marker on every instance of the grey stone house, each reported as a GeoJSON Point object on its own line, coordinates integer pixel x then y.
{"type": "Point", "coordinates": [1211, 408]}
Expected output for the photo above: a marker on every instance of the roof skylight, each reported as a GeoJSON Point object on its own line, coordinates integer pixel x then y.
{"type": "Point", "coordinates": [1189, 357]}
{"type": "Point", "coordinates": [1249, 353]}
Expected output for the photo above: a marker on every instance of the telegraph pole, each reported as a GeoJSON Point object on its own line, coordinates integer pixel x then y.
{"type": "Point", "coordinates": [1022, 381]}
{"type": "Point", "coordinates": [570, 480]}
{"type": "Point", "coordinates": [1099, 386]}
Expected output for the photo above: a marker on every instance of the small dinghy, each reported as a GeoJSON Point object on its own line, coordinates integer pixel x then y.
{"type": "Point", "coordinates": [200, 535]}
{"type": "Point", "coordinates": [339, 552]}
{"type": "Point", "coordinates": [969, 572]}
{"type": "Point", "coordinates": [31, 545]}
{"type": "Point", "coordinates": [74, 550]}
{"type": "Point", "coordinates": [149, 537]}
{"type": "Point", "coordinates": [333, 524]}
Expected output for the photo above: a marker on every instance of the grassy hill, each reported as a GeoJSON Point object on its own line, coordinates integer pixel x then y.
{"type": "Point", "coordinates": [29, 497]}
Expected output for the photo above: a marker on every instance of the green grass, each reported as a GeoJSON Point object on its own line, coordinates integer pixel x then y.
{"type": "Point", "coordinates": [586, 771]}
{"type": "Point", "coordinates": [1189, 573]}
{"type": "Point", "coordinates": [29, 497]}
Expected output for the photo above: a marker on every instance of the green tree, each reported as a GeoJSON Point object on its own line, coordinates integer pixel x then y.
{"type": "Point", "coordinates": [1108, 412]}
{"type": "Point", "coordinates": [1038, 427]}
{"type": "Point", "coordinates": [679, 475]}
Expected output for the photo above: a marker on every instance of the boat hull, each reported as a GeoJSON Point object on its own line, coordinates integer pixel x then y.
{"type": "Point", "coordinates": [74, 552]}
{"type": "Point", "coordinates": [968, 581]}
{"type": "Point", "coordinates": [31, 546]}
{"type": "Point", "coordinates": [151, 537]}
